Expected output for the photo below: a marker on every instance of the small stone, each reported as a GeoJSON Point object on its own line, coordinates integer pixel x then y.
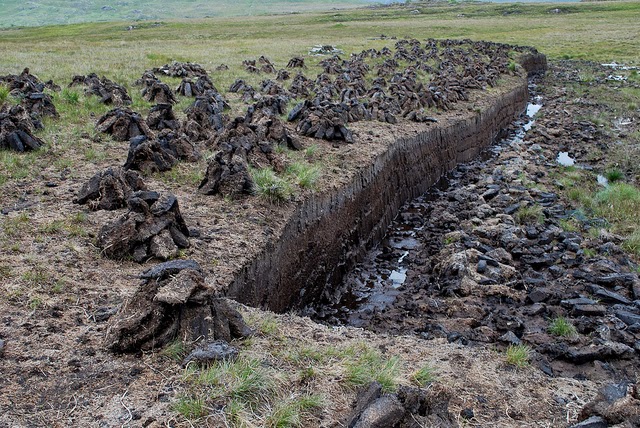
{"type": "Point", "coordinates": [592, 422]}
{"type": "Point", "coordinates": [210, 352]}
{"type": "Point", "coordinates": [482, 266]}
{"type": "Point", "coordinates": [467, 413]}
{"type": "Point", "coordinates": [510, 337]}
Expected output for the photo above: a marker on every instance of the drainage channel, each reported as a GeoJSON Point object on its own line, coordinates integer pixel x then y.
{"type": "Point", "coordinates": [375, 283]}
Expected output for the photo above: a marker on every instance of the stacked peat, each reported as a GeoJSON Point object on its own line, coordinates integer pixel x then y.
{"type": "Point", "coordinates": [108, 91]}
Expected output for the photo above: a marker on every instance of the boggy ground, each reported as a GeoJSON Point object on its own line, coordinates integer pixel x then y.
{"type": "Point", "coordinates": [517, 249]}
{"type": "Point", "coordinates": [60, 294]}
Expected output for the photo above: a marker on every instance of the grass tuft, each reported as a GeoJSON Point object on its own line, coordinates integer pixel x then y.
{"type": "Point", "coordinates": [530, 214]}
{"type": "Point", "coordinates": [290, 413]}
{"type": "Point", "coordinates": [424, 376]}
{"type": "Point", "coordinates": [190, 407]}
{"type": "Point", "coordinates": [562, 327]}
{"type": "Point", "coordinates": [304, 174]}
{"type": "Point", "coordinates": [368, 366]}
{"type": "Point", "coordinates": [614, 175]}
{"type": "Point", "coordinates": [518, 355]}
{"type": "Point", "coordinates": [271, 187]}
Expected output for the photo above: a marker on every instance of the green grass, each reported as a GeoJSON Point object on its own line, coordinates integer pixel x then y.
{"type": "Point", "coordinates": [270, 186]}
{"type": "Point", "coordinates": [4, 93]}
{"type": "Point", "coordinates": [289, 413]}
{"type": "Point", "coordinates": [562, 327]}
{"type": "Point", "coordinates": [424, 376]}
{"type": "Point", "coordinates": [530, 214]}
{"type": "Point", "coordinates": [368, 365]}
{"type": "Point", "coordinates": [190, 407]}
{"type": "Point", "coordinates": [303, 174]}
{"type": "Point", "coordinates": [518, 355]}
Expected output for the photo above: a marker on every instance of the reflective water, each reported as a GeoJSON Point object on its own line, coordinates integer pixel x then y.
{"type": "Point", "coordinates": [565, 160]}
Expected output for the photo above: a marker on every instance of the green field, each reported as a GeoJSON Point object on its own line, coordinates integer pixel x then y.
{"type": "Point", "coordinates": [47, 12]}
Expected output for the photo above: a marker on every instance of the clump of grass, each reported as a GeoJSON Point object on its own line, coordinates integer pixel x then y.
{"type": "Point", "coordinates": [70, 96]}
{"type": "Point", "coordinates": [512, 66]}
{"type": "Point", "coordinates": [568, 225]}
{"type": "Point", "coordinates": [424, 375]}
{"type": "Point", "coordinates": [290, 413]}
{"type": "Point", "coordinates": [619, 203]}
{"type": "Point", "coordinates": [175, 350]}
{"type": "Point", "coordinates": [4, 93]}
{"type": "Point", "coordinates": [518, 355]}
{"type": "Point", "coordinates": [270, 186]}
{"type": "Point", "coordinates": [632, 243]}
{"type": "Point", "coordinates": [311, 151]}
{"type": "Point", "coordinates": [190, 407]}
{"type": "Point", "coordinates": [246, 380]}
{"type": "Point", "coordinates": [530, 214]}
{"type": "Point", "coordinates": [614, 175]}
{"type": "Point", "coordinates": [562, 327]}
{"type": "Point", "coordinates": [52, 227]}
{"type": "Point", "coordinates": [304, 174]}
{"type": "Point", "coordinates": [368, 365]}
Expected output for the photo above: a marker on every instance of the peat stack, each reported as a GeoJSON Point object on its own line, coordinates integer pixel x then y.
{"type": "Point", "coordinates": [181, 69]}
{"type": "Point", "coordinates": [157, 92]}
{"type": "Point", "coordinates": [189, 88]}
{"type": "Point", "coordinates": [161, 116]}
{"type": "Point", "coordinates": [110, 189]}
{"type": "Point", "coordinates": [228, 175]}
{"type": "Point", "coordinates": [296, 62]}
{"type": "Point", "coordinates": [160, 153]}
{"type": "Point", "coordinates": [172, 302]}
{"type": "Point", "coordinates": [108, 91]}
{"type": "Point", "coordinates": [123, 124]}
{"type": "Point", "coordinates": [16, 130]}
{"type": "Point", "coordinates": [153, 227]}
{"type": "Point", "coordinates": [40, 104]}
{"type": "Point", "coordinates": [26, 83]}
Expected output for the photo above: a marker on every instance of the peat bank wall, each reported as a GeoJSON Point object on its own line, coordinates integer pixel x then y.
{"type": "Point", "coordinates": [329, 232]}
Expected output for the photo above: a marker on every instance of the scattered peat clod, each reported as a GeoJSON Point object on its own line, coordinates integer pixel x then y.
{"type": "Point", "coordinates": [409, 407]}
{"type": "Point", "coordinates": [181, 69]}
{"type": "Point", "coordinates": [153, 227]}
{"type": "Point", "coordinates": [161, 116]}
{"type": "Point", "coordinates": [227, 174]}
{"type": "Point", "coordinates": [16, 128]}
{"type": "Point", "coordinates": [108, 91]}
{"type": "Point", "coordinates": [160, 153]}
{"type": "Point", "coordinates": [110, 189]}
{"type": "Point", "coordinates": [26, 83]}
{"type": "Point", "coordinates": [157, 92]}
{"type": "Point", "coordinates": [189, 88]}
{"type": "Point", "coordinates": [222, 67]}
{"type": "Point", "coordinates": [210, 352]}
{"type": "Point", "coordinates": [175, 303]}
{"type": "Point", "coordinates": [123, 124]}
{"type": "Point", "coordinates": [615, 404]}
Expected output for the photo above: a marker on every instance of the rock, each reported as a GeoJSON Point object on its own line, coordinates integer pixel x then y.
{"type": "Point", "coordinates": [615, 404]}
{"type": "Point", "coordinates": [163, 270]}
{"type": "Point", "coordinates": [109, 189]}
{"type": "Point", "coordinates": [173, 305]}
{"type": "Point", "coordinates": [592, 422]}
{"type": "Point", "coordinates": [511, 338]}
{"type": "Point", "coordinates": [604, 352]}
{"type": "Point", "coordinates": [210, 352]}
{"type": "Point", "coordinates": [133, 233]}
{"type": "Point", "coordinates": [607, 296]}
{"type": "Point", "coordinates": [384, 412]}
{"type": "Point", "coordinates": [539, 295]}
{"type": "Point", "coordinates": [627, 317]}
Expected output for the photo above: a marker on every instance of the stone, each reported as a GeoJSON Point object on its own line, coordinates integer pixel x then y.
{"type": "Point", "coordinates": [207, 353]}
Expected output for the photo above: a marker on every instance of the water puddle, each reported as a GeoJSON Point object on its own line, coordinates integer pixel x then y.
{"type": "Point", "coordinates": [565, 160]}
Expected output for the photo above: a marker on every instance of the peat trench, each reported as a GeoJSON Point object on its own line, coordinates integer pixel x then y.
{"type": "Point", "coordinates": [468, 262]}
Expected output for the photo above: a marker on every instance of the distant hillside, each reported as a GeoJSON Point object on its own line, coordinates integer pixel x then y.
{"type": "Point", "coordinates": [47, 12]}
